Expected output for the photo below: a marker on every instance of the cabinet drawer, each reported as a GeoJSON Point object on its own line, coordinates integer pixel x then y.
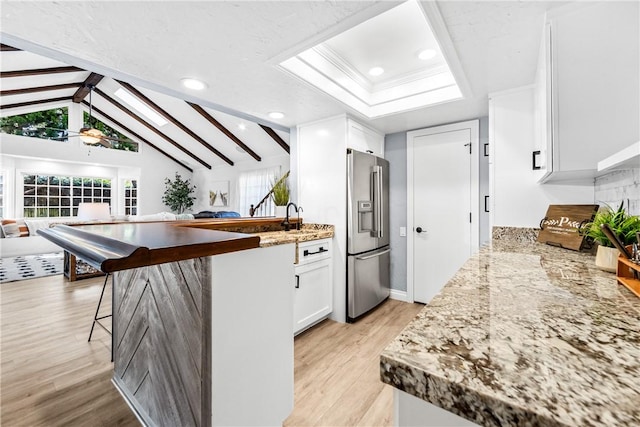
{"type": "Point", "coordinates": [313, 251]}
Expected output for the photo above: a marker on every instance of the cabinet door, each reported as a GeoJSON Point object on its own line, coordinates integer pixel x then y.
{"type": "Point", "coordinates": [363, 139]}
{"type": "Point", "coordinates": [312, 298]}
{"type": "Point", "coordinates": [595, 83]}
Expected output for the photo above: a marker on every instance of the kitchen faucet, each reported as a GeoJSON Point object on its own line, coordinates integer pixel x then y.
{"type": "Point", "coordinates": [286, 223]}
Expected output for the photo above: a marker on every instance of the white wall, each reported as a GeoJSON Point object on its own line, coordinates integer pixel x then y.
{"type": "Point", "coordinates": [33, 155]}
{"type": "Point", "coordinates": [518, 200]}
{"type": "Point", "coordinates": [203, 179]}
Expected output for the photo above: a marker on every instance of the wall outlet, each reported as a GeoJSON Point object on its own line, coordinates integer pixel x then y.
{"type": "Point", "coordinates": [403, 231]}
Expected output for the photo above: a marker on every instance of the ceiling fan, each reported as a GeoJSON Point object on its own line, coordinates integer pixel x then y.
{"type": "Point", "coordinates": [89, 134]}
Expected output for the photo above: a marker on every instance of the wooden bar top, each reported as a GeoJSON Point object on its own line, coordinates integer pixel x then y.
{"type": "Point", "coordinates": [120, 246]}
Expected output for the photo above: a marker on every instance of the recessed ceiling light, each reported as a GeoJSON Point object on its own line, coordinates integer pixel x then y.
{"type": "Point", "coordinates": [276, 115]}
{"type": "Point", "coordinates": [376, 71]}
{"type": "Point", "coordinates": [141, 107]}
{"type": "Point", "coordinates": [427, 54]}
{"type": "Point", "coordinates": [195, 84]}
{"type": "Point", "coordinates": [242, 126]}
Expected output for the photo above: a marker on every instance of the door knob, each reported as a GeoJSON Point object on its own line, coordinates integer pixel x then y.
{"type": "Point", "coordinates": [418, 229]}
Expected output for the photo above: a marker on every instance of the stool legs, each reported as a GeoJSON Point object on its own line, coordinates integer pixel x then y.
{"type": "Point", "coordinates": [97, 319]}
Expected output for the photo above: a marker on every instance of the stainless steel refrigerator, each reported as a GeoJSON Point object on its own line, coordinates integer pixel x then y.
{"type": "Point", "coordinates": [368, 252]}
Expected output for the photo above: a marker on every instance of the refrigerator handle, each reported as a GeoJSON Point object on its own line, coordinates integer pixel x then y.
{"type": "Point", "coordinates": [377, 199]}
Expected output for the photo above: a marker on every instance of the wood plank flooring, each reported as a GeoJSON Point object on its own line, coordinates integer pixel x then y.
{"type": "Point", "coordinates": [51, 376]}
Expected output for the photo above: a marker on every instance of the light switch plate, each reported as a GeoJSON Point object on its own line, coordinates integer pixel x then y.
{"type": "Point", "coordinates": [403, 231]}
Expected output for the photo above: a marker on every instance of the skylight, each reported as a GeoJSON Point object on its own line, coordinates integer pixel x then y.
{"type": "Point", "coordinates": [380, 68]}
{"type": "Point", "coordinates": [140, 107]}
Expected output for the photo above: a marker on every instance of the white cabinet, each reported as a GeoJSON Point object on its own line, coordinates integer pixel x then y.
{"type": "Point", "coordinates": [313, 285]}
{"type": "Point", "coordinates": [361, 138]}
{"type": "Point", "coordinates": [590, 80]}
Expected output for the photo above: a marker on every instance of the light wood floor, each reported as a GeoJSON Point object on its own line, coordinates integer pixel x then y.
{"type": "Point", "coordinates": [51, 376]}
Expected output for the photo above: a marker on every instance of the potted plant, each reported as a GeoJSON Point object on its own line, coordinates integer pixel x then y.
{"type": "Point", "coordinates": [280, 196]}
{"type": "Point", "coordinates": [177, 194]}
{"type": "Point", "coordinates": [624, 225]}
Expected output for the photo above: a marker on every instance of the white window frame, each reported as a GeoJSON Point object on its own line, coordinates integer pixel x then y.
{"type": "Point", "coordinates": [20, 190]}
{"type": "Point", "coordinates": [123, 197]}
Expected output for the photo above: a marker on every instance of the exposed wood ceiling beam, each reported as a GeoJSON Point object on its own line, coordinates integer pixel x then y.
{"type": "Point", "coordinates": [39, 89]}
{"type": "Point", "coordinates": [275, 137]}
{"type": "Point", "coordinates": [151, 127]}
{"type": "Point", "coordinates": [173, 120]}
{"type": "Point", "coordinates": [39, 101]}
{"type": "Point", "coordinates": [134, 134]}
{"type": "Point", "coordinates": [224, 130]}
{"type": "Point", "coordinates": [90, 82]}
{"type": "Point", "coordinates": [39, 71]}
{"type": "Point", "coordinates": [7, 48]}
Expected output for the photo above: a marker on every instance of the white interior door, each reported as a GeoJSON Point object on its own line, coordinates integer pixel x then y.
{"type": "Point", "coordinates": [443, 195]}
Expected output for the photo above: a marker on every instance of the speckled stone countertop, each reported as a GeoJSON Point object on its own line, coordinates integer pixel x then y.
{"type": "Point", "coordinates": [525, 334]}
{"type": "Point", "coordinates": [306, 233]}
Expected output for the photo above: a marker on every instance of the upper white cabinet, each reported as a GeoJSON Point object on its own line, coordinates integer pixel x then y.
{"type": "Point", "coordinates": [587, 103]}
{"type": "Point", "coordinates": [361, 138]}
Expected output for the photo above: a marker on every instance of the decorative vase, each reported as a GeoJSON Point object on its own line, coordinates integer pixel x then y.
{"type": "Point", "coordinates": [281, 211]}
{"type": "Point", "coordinates": [607, 258]}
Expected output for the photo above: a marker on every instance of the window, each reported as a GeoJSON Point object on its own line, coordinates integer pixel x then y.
{"type": "Point", "coordinates": [48, 124]}
{"type": "Point", "coordinates": [59, 196]}
{"type": "Point", "coordinates": [254, 185]}
{"type": "Point", "coordinates": [131, 197]}
{"type": "Point", "coordinates": [125, 143]}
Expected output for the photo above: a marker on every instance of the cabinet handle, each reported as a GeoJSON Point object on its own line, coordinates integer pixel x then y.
{"type": "Point", "coordinates": [486, 203]}
{"type": "Point", "coordinates": [534, 159]}
{"type": "Point", "coordinates": [297, 282]}
{"type": "Point", "coordinates": [319, 251]}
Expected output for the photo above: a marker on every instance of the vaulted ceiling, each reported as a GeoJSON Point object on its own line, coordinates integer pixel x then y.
{"type": "Point", "coordinates": [194, 136]}
{"type": "Point", "coordinates": [237, 46]}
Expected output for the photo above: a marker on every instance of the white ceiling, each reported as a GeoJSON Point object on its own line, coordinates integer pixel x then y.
{"type": "Point", "coordinates": [235, 47]}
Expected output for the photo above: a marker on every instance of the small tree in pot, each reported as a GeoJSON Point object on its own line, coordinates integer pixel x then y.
{"type": "Point", "coordinates": [177, 194]}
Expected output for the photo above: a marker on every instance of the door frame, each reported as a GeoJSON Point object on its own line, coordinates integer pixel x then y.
{"type": "Point", "coordinates": [474, 126]}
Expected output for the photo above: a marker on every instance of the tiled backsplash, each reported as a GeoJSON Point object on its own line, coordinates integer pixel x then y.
{"type": "Point", "coordinates": [617, 186]}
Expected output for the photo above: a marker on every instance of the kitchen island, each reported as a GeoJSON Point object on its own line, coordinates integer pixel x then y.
{"type": "Point", "coordinates": [523, 334]}
{"type": "Point", "coordinates": [202, 321]}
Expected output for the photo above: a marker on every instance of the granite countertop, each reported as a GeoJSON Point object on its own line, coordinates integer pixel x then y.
{"type": "Point", "coordinates": [525, 334]}
{"type": "Point", "coordinates": [306, 233]}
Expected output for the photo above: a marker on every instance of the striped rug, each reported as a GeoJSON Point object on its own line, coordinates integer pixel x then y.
{"type": "Point", "coordinates": [30, 266]}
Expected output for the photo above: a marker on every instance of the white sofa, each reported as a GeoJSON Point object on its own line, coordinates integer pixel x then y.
{"type": "Point", "coordinates": [31, 245]}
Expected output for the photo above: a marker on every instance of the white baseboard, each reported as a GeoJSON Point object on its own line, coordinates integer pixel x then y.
{"type": "Point", "coordinates": [398, 295]}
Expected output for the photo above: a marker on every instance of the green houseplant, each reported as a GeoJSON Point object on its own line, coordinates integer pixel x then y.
{"type": "Point", "coordinates": [280, 195]}
{"type": "Point", "coordinates": [177, 194]}
{"type": "Point", "coordinates": [624, 225]}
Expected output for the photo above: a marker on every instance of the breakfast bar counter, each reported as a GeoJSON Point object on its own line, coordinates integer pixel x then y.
{"type": "Point", "coordinates": [524, 334]}
{"type": "Point", "coordinates": [202, 318]}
